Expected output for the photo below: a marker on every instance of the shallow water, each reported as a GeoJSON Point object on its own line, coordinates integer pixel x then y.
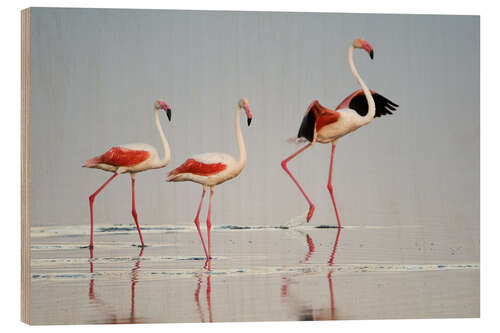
{"type": "Point", "coordinates": [291, 272]}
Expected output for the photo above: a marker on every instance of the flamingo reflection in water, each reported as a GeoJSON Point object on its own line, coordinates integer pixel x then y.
{"type": "Point", "coordinates": [307, 314]}
{"type": "Point", "coordinates": [109, 311]}
{"type": "Point", "coordinates": [199, 278]}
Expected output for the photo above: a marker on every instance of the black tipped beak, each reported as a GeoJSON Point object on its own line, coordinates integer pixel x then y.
{"type": "Point", "coordinates": [249, 120]}
{"type": "Point", "coordinates": [371, 54]}
{"type": "Point", "coordinates": [169, 114]}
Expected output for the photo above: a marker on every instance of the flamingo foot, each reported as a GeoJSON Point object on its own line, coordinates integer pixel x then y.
{"type": "Point", "coordinates": [310, 214]}
{"type": "Point", "coordinates": [207, 263]}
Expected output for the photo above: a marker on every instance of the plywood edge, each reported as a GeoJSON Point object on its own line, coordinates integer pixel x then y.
{"type": "Point", "coordinates": [25, 168]}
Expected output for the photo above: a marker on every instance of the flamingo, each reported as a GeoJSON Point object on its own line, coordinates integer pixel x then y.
{"type": "Point", "coordinates": [131, 158]}
{"type": "Point", "coordinates": [212, 169]}
{"type": "Point", "coordinates": [328, 126]}
{"type": "Point", "coordinates": [199, 277]}
{"type": "Point", "coordinates": [310, 313]}
{"type": "Point", "coordinates": [111, 315]}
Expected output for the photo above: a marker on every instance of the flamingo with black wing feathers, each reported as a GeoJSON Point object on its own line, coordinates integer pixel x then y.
{"type": "Point", "coordinates": [328, 126]}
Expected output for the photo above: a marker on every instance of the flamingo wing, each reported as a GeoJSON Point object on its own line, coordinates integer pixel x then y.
{"type": "Point", "coordinates": [315, 118]}
{"type": "Point", "coordinates": [120, 157]}
{"type": "Point", "coordinates": [383, 105]}
{"type": "Point", "coordinates": [198, 168]}
{"type": "Point", "coordinates": [357, 102]}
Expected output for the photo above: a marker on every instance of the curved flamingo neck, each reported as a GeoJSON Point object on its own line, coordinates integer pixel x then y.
{"type": "Point", "coordinates": [241, 144]}
{"type": "Point", "coordinates": [369, 98]}
{"type": "Point", "coordinates": [166, 148]}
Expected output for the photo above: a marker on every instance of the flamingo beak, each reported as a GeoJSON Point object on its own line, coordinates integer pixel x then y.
{"type": "Point", "coordinates": [368, 48]}
{"type": "Point", "coordinates": [249, 114]}
{"type": "Point", "coordinates": [167, 109]}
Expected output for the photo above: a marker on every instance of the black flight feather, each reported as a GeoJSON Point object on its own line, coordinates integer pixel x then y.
{"type": "Point", "coordinates": [307, 127]}
{"type": "Point", "coordinates": [383, 106]}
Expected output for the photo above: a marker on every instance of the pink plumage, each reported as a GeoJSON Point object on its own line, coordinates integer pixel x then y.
{"type": "Point", "coordinates": [212, 169]}
{"type": "Point", "coordinates": [323, 125]}
{"type": "Point", "coordinates": [119, 156]}
{"type": "Point", "coordinates": [131, 158]}
{"type": "Point", "coordinates": [198, 168]}
{"type": "Point", "coordinates": [345, 103]}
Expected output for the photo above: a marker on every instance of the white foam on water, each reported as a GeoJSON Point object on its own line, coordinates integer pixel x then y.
{"type": "Point", "coordinates": [83, 230]}
{"type": "Point", "coordinates": [298, 222]}
{"type": "Point", "coordinates": [48, 262]}
{"type": "Point", "coordinates": [79, 246]}
{"type": "Point", "coordinates": [114, 275]}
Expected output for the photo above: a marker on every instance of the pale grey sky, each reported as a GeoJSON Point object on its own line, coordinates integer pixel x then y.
{"type": "Point", "coordinates": [96, 73]}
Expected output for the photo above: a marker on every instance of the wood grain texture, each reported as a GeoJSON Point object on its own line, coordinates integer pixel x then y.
{"type": "Point", "coordinates": [25, 169]}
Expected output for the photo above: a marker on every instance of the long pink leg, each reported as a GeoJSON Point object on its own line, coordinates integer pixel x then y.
{"type": "Point", "coordinates": [330, 187]}
{"type": "Point", "coordinates": [132, 287]}
{"type": "Point", "coordinates": [284, 287]}
{"type": "Point", "coordinates": [332, 303]}
{"type": "Point", "coordinates": [209, 289]}
{"type": "Point", "coordinates": [197, 299]}
{"type": "Point", "coordinates": [197, 222]}
{"type": "Point", "coordinates": [310, 252]}
{"type": "Point", "coordinates": [334, 250]}
{"type": "Point", "coordinates": [91, 203]}
{"type": "Point", "coordinates": [209, 224]}
{"type": "Point", "coordinates": [283, 165]}
{"type": "Point", "coordinates": [91, 284]}
{"type": "Point", "coordinates": [330, 282]}
{"type": "Point", "coordinates": [134, 213]}
{"type": "Point", "coordinates": [209, 303]}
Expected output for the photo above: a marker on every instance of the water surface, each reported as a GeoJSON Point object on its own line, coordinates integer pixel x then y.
{"type": "Point", "coordinates": [297, 272]}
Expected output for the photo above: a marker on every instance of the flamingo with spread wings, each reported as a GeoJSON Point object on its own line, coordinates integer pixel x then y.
{"type": "Point", "coordinates": [131, 158]}
{"type": "Point", "coordinates": [328, 126]}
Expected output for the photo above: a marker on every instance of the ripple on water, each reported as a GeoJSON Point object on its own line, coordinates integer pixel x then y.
{"type": "Point", "coordinates": [262, 270]}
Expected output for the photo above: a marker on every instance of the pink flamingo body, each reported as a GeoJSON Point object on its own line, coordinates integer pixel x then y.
{"type": "Point", "coordinates": [131, 158]}
{"type": "Point", "coordinates": [125, 157]}
{"type": "Point", "coordinates": [323, 125]}
{"type": "Point", "coordinates": [212, 169]}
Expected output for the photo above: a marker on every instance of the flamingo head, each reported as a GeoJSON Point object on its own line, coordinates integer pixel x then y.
{"type": "Point", "coordinates": [243, 104]}
{"type": "Point", "coordinates": [362, 44]}
{"type": "Point", "coordinates": [161, 105]}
